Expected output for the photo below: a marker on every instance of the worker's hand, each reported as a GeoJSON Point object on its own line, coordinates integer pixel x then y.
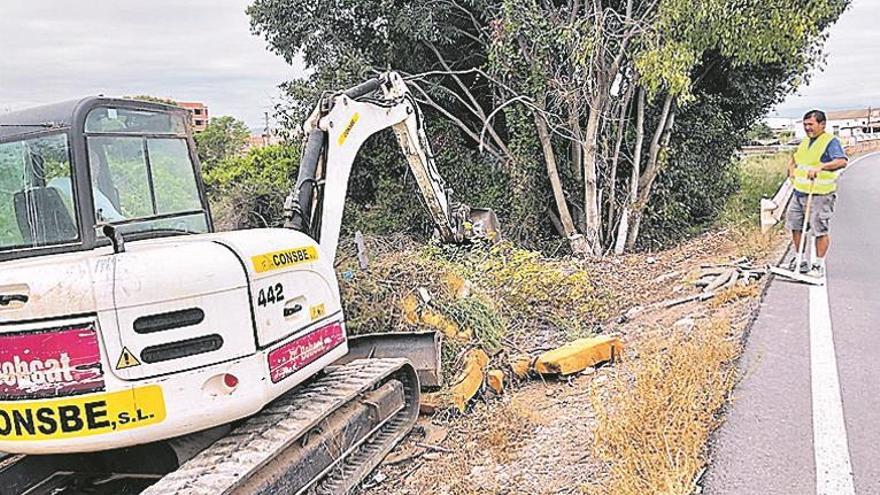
{"type": "Point", "coordinates": [811, 174]}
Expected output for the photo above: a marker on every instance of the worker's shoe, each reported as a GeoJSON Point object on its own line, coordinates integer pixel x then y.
{"type": "Point", "coordinates": [793, 267]}
{"type": "Point", "coordinates": [817, 271]}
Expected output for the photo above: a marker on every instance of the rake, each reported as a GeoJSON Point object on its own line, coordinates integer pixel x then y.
{"type": "Point", "coordinates": [795, 274]}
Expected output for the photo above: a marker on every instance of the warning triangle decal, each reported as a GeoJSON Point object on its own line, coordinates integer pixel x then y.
{"type": "Point", "coordinates": [127, 360]}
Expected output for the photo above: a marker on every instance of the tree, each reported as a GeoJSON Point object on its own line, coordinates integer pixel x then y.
{"type": "Point", "coordinates": [224, 137]}
{"type": "Point", "coordinates": [760, 131]}
{"type": "Point", "coordinates": [154, 99]}
{"type": "Point", "coordinates": [248, 189]}
{"type": "Point", "coordinates": [584, 93]}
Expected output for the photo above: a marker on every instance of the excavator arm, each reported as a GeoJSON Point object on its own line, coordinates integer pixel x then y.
{"type": "Point", "coordinates": [337, 129]}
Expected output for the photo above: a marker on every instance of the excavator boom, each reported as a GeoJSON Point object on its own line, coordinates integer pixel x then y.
{"type": "Point", "coordinates": [336, 130]}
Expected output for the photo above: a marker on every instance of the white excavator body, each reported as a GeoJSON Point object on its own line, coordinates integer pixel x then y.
{"type": "Point", "coordinates": [126, 320]}
{"type": "Point", "coordinates": [113, 350]}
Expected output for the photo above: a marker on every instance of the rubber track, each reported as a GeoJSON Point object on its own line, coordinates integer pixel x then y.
{"type": "Point", "coordinates": [234, 458]}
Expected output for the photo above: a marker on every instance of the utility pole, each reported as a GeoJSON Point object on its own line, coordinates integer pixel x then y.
{"type": "Point", "coordinates": [266, 129]}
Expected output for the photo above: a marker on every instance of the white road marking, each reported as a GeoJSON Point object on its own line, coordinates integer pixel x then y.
{"type": "Point", "coordinates": [830, 446]}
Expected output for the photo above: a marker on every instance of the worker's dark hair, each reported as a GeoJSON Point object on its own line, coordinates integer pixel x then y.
{"type": "Point", "coordinates": [819, 115]}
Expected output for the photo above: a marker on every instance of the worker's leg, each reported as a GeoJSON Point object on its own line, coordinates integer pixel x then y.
{"type": "Point", "coordinates": [796, 239]}
{"type": "Point", "coordinates": [820, 222]}
{"type": "Point", "coordinates": [822, 243]}
{"type": "Point", "coordinates": [794, 221]}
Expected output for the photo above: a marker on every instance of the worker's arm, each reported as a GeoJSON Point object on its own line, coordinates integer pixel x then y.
{"type": "Point", "coordinates": [837, 162]}
{"type": "Point", "coordinates": [791, 167]}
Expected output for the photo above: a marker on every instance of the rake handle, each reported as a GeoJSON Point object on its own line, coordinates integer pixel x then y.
{"type": "Point", "coordinates": [803, 243]}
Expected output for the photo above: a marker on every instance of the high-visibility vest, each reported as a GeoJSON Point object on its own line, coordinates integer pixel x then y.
{"type": "Point", "coordinates": [809, 157]}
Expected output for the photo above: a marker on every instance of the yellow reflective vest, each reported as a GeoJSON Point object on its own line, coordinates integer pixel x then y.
{"type": "Point", "coordinates": [809, 157]}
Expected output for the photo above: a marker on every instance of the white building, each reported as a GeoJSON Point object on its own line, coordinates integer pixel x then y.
{"type": "Point", "coordinates": [849, 125]}
{"type": "Point", "coordinates": [780, 124]}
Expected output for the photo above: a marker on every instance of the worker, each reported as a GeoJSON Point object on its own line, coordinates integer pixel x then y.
{"type": "Point", "coordinates": [814, 168]}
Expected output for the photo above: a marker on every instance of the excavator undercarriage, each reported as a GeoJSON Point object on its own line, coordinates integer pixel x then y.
{"type": "Point", "coordinates": [321, 438]}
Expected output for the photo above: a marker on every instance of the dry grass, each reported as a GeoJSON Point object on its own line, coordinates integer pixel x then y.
{"type": "Point", "coordinates": [507, 430]}
{"type": "Point", "coordinates": [734, 293]}
{"type": "Point", "coordinates": [492, 437]}
{"type": "Point", "coordinates": [656, 414]}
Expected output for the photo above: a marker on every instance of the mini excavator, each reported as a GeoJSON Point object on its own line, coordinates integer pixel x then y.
{"type": "Point", "coordinates": [135, 340]}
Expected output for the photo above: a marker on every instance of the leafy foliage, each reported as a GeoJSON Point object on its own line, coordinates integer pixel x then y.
{"type": "Point", "coordinates": [716, 65]}
{"type": "Point", "coordinates": [701, 172]}
{"type": "Point", "coordinates": [224, 137]}
{"type": "Point", "coordinates": [153, 99]}
{"type": "Point", "coordinates": [248, 190]}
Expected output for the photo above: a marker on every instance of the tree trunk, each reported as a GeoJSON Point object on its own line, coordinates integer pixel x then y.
{"type": "Point", "coordinates": [577, 159]}
{"type": "Point", "coordinates": [663, 130]}
{"type": "Point", "coordinates": [576, 240]}
{"type": "Point", "coordinates": [615, 159]}
{"type": "Point", "coordinates": [623, 226]}
{"type": "Point", "coordinates": [556, 223]}
{"type": "Point", "coordinates": [591, 193]}
{"type": "Point", "coordinates": [577, 152]}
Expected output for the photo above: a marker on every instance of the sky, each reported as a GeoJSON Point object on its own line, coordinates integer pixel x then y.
{"type": "Point", "coordinates": [202, 50]}
{"type": "Point", "coordinates": [188, 50]}
{"type": "Point", "coordinates": [850, 77]}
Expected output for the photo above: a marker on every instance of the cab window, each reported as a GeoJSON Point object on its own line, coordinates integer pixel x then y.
{"type": "Point", "coordinates": [36, 193]}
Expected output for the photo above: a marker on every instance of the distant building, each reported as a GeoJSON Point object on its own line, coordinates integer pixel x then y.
{"type": "Point", "coordinates": [261, 140]}
{"type": "Point", "coordinates": [780, 125]}
{"type": "Point", "coordinates": [198, 113]}
{"type": "Point", "coordinates": [861, 123]}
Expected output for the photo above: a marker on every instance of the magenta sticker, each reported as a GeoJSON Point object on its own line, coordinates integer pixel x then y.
{"type": "Point", "coordinates": [50, 363]}
{"type": "Point", "coordinates": [297, 354]}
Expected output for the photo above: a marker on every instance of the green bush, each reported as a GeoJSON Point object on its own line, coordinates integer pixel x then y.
{"type": "Point", "coordinates": [759, 177]}
{"type": "Point", "coordinates": [248, 190]}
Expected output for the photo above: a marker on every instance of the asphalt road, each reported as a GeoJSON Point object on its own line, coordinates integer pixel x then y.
{"type": "Point", "coordinates": [805, 419]}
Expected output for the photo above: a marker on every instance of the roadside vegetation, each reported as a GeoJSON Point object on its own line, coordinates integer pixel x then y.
{"type": "Point", "coordinates": [606, 140]}
{"type": "Point", "coordinates": [502, 299]}
{"type": "Point", "coordinates": [612, 124]}
{"type": "Point", "coordinates": [759, 176]}
{"type": "Point", "coordinates": [655, 416]}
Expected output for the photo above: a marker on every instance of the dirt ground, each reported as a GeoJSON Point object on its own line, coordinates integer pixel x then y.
{"type": "Point", "coordinates": [537, 437]}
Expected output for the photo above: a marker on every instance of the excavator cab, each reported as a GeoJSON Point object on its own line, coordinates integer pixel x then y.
{"type": "Point", "coordinates": [124, 318]}
{"type": "Point", "coordinates": [69, 167]}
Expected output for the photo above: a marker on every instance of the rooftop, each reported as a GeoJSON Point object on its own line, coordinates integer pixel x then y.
{"type": "Point", "coordinates": [860, 113]}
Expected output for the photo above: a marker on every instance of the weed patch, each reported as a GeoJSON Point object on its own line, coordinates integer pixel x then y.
{"type": "Point", "coordinates": [494, 297]}
{"type": "Point", "coordinates": [658, 410]}
{"type": "Point", "coordinates": [759, 177]}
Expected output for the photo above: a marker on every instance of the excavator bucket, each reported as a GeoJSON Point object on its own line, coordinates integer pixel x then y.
{"type": "Point", "coordinates": [484, 225]}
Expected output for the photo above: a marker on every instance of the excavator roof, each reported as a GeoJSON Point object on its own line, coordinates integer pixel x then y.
{"type": "Point", "coordinates": [63, 114]}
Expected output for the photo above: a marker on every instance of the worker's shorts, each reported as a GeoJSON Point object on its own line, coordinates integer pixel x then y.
{"type": "Point", "coordinates": [821, 212]}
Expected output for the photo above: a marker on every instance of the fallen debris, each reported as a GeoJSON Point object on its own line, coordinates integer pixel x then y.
{"type": "Point", "coordinates": [416, 313]}
{"type": "Point", "coordinates": [578, 355]}
{"type": "Point", "coordinates": [495, 380]}
{"type": "Point", "coordinates": [362, 257]}
{"type": "Point", "coordinates": [471, 378]}
{"type": "Point", "coordinates": [520, 365]}
{"type": "Point", "coordinates": [429, 437]}
{"type": "Point", "coordinates": [713, 279]}
{"type": "Point", "coordinates": [430, 404]}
